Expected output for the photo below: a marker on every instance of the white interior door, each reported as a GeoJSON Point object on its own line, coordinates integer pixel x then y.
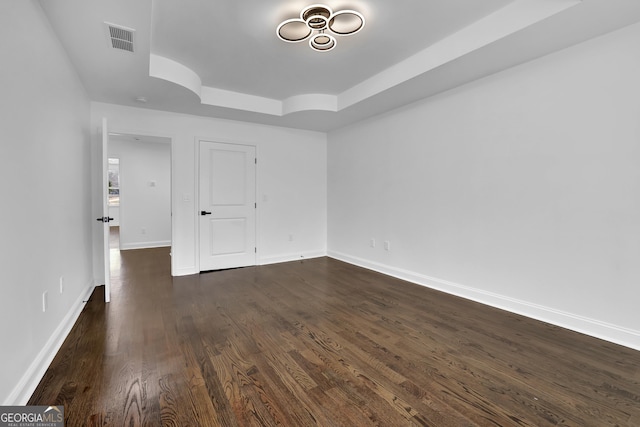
{"type": "Point", "coordinates": [227, 199]}
{"type": "Point", "coordinates": [105, 212]}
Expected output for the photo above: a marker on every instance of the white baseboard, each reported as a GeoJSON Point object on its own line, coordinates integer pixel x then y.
{"type": "Point", "coordinates": [31, 378]}
{"type": "Point", "coordinates": [290, 257]}
{"type": "Point", "coordinates": [592, 327]}
{"type": "Point", "coordinates": [184, 271]}
{"type": "Point", "coordinates": [145, 245]}
{"type": "Point", "coordinates": [261, 261]}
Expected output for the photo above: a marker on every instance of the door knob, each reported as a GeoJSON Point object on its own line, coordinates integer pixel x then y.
{"type": "Point", "coordinates": [203, 213]}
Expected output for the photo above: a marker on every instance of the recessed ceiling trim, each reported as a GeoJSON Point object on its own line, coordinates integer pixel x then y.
{"type": "Point", "coordinates": [506, 21]}
{"type": "Point", "coordinates": [172, 71]}
{"type": "Point", "coordinates": [240, 101]}
{"type": "Point", "coordinates": [310, 102]}
{"type": "Point", "coordinates": [514, 17]}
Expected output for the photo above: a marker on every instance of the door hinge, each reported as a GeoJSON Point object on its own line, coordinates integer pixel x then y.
{"type": "Point", "coordinates": [255, 160]}
{"type": "Point", "coordinates": [255, 205]}
{"type": "Point", "coordinates": [255, 250]}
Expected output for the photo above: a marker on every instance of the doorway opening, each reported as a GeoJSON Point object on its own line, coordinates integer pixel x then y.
{"type": "Point", "coordinates": [139, 199]}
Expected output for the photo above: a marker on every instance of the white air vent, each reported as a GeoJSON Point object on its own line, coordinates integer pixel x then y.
{"type": "Point", "coordinates": [120, 37]}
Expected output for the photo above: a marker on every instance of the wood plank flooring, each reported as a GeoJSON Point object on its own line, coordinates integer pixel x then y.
{"type": "Point", "coordinates": [323, 343]}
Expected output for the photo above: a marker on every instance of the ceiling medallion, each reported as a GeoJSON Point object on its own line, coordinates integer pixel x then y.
{"type": "Point", "coordinates": [318, 24]}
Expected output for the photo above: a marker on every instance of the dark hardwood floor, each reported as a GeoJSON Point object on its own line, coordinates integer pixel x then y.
{"type": "Point", "coordinates": [320, 342]}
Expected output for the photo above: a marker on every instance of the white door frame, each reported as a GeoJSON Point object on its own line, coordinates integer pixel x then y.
{"type": "Point", "coordinates": [107, 257]}
{"type": "Point", "coordinates": [105, 212]}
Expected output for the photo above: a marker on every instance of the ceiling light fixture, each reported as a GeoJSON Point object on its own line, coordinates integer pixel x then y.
{"type": "Point", "coordinates": [318, 24]}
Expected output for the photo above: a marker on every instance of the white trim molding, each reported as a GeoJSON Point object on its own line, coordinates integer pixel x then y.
{"type": "Point", "coordinates": [145, 245]}
{"type": "Point", "coordinates": [184, 271]}
{"type": "Point", "coordinates": [290, 257]}
{"type": "Point", "coordinates": [592, 327]}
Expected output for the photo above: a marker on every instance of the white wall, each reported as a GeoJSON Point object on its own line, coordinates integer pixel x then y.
{"type": "Point", "coordinates": [45, 218]}
{"type": "Point", "coordinates": [521, 190]}
{"type": "Point", "coordinates": [291, 181]}
{"type": "Point", "coordinates": [145, 192]}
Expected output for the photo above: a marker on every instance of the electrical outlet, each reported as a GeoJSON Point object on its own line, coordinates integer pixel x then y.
{"type": "Point", "coordinates": [45, 301]}
{"type": "Point", "coordinates": [61, 284]}
{"type": "Point", "coordinates": [372, 243]}
{"type": "Point", "coordinates": [387, 245]}
{"type": "Point", "coordinates": [143, 231]}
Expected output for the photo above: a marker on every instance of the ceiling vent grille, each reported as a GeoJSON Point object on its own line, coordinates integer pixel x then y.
{"type": "Point", "coordinates": [120, 37]}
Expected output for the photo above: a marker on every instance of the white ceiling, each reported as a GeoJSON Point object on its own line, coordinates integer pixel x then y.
{"type": "Point", "coordinates": [221, 58]}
